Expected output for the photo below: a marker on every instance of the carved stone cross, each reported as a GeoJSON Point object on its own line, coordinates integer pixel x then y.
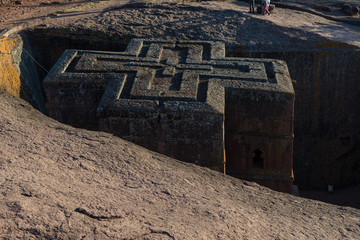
{"type": "Point", "coordinates": [184, 99]}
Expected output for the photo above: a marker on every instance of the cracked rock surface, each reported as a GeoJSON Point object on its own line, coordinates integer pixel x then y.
{"type": "Point", "coordinates": [59, 182]}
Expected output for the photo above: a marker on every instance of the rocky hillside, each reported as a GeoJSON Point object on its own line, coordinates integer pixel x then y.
{"type": "Point", "coordinates": [59, 182]}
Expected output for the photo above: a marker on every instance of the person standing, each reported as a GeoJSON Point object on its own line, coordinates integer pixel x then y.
{"type": "Point", "coordinates": [252, 4]}
{"type": "Point", "coordinates": [267, 11]}
{"type": "Point", "coordinates": [266, 7]}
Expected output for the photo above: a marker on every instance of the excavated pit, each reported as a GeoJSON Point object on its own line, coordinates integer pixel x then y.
{"type": "Point", "coordinates": [327, 114]}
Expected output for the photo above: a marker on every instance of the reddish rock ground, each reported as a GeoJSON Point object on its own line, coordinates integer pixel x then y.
{"type": "Point", "coordinates": [61, 182]}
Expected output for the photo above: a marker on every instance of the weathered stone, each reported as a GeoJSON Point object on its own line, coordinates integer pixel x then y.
{"type": "Point", "coordinates": [258, 9]}
{"type": "Point", "coordinates": [323, 8]}
{"type": "Point", "coordinates": [356, 10]}
{"type": "Point", "coordinates": [184, 99]}
{"type": "Point", "coordinates": [271, 7]}
{"type": "Point", "coordinates": [5, 1]}
{"type": "Point", "coordinates": [345, 7]}
{"type": "Point", "coordinates": [349, 10]}
{"type": "Point", "coordinates": [18, 71]}
{"type": "Point", "coordinates": [322, 121]}
{"type": "Point", "coordinates": [9, 75]}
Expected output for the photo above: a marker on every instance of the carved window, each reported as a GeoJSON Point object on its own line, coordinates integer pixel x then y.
{"type": "Point", "coordinates": [258, 160]}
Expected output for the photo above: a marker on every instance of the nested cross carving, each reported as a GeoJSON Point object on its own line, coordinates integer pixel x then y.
{"type": "Point", "coordinates": [168, 70]}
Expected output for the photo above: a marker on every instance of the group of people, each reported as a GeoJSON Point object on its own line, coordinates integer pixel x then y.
{"type": "Point", "coordinates": [264, 7]}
